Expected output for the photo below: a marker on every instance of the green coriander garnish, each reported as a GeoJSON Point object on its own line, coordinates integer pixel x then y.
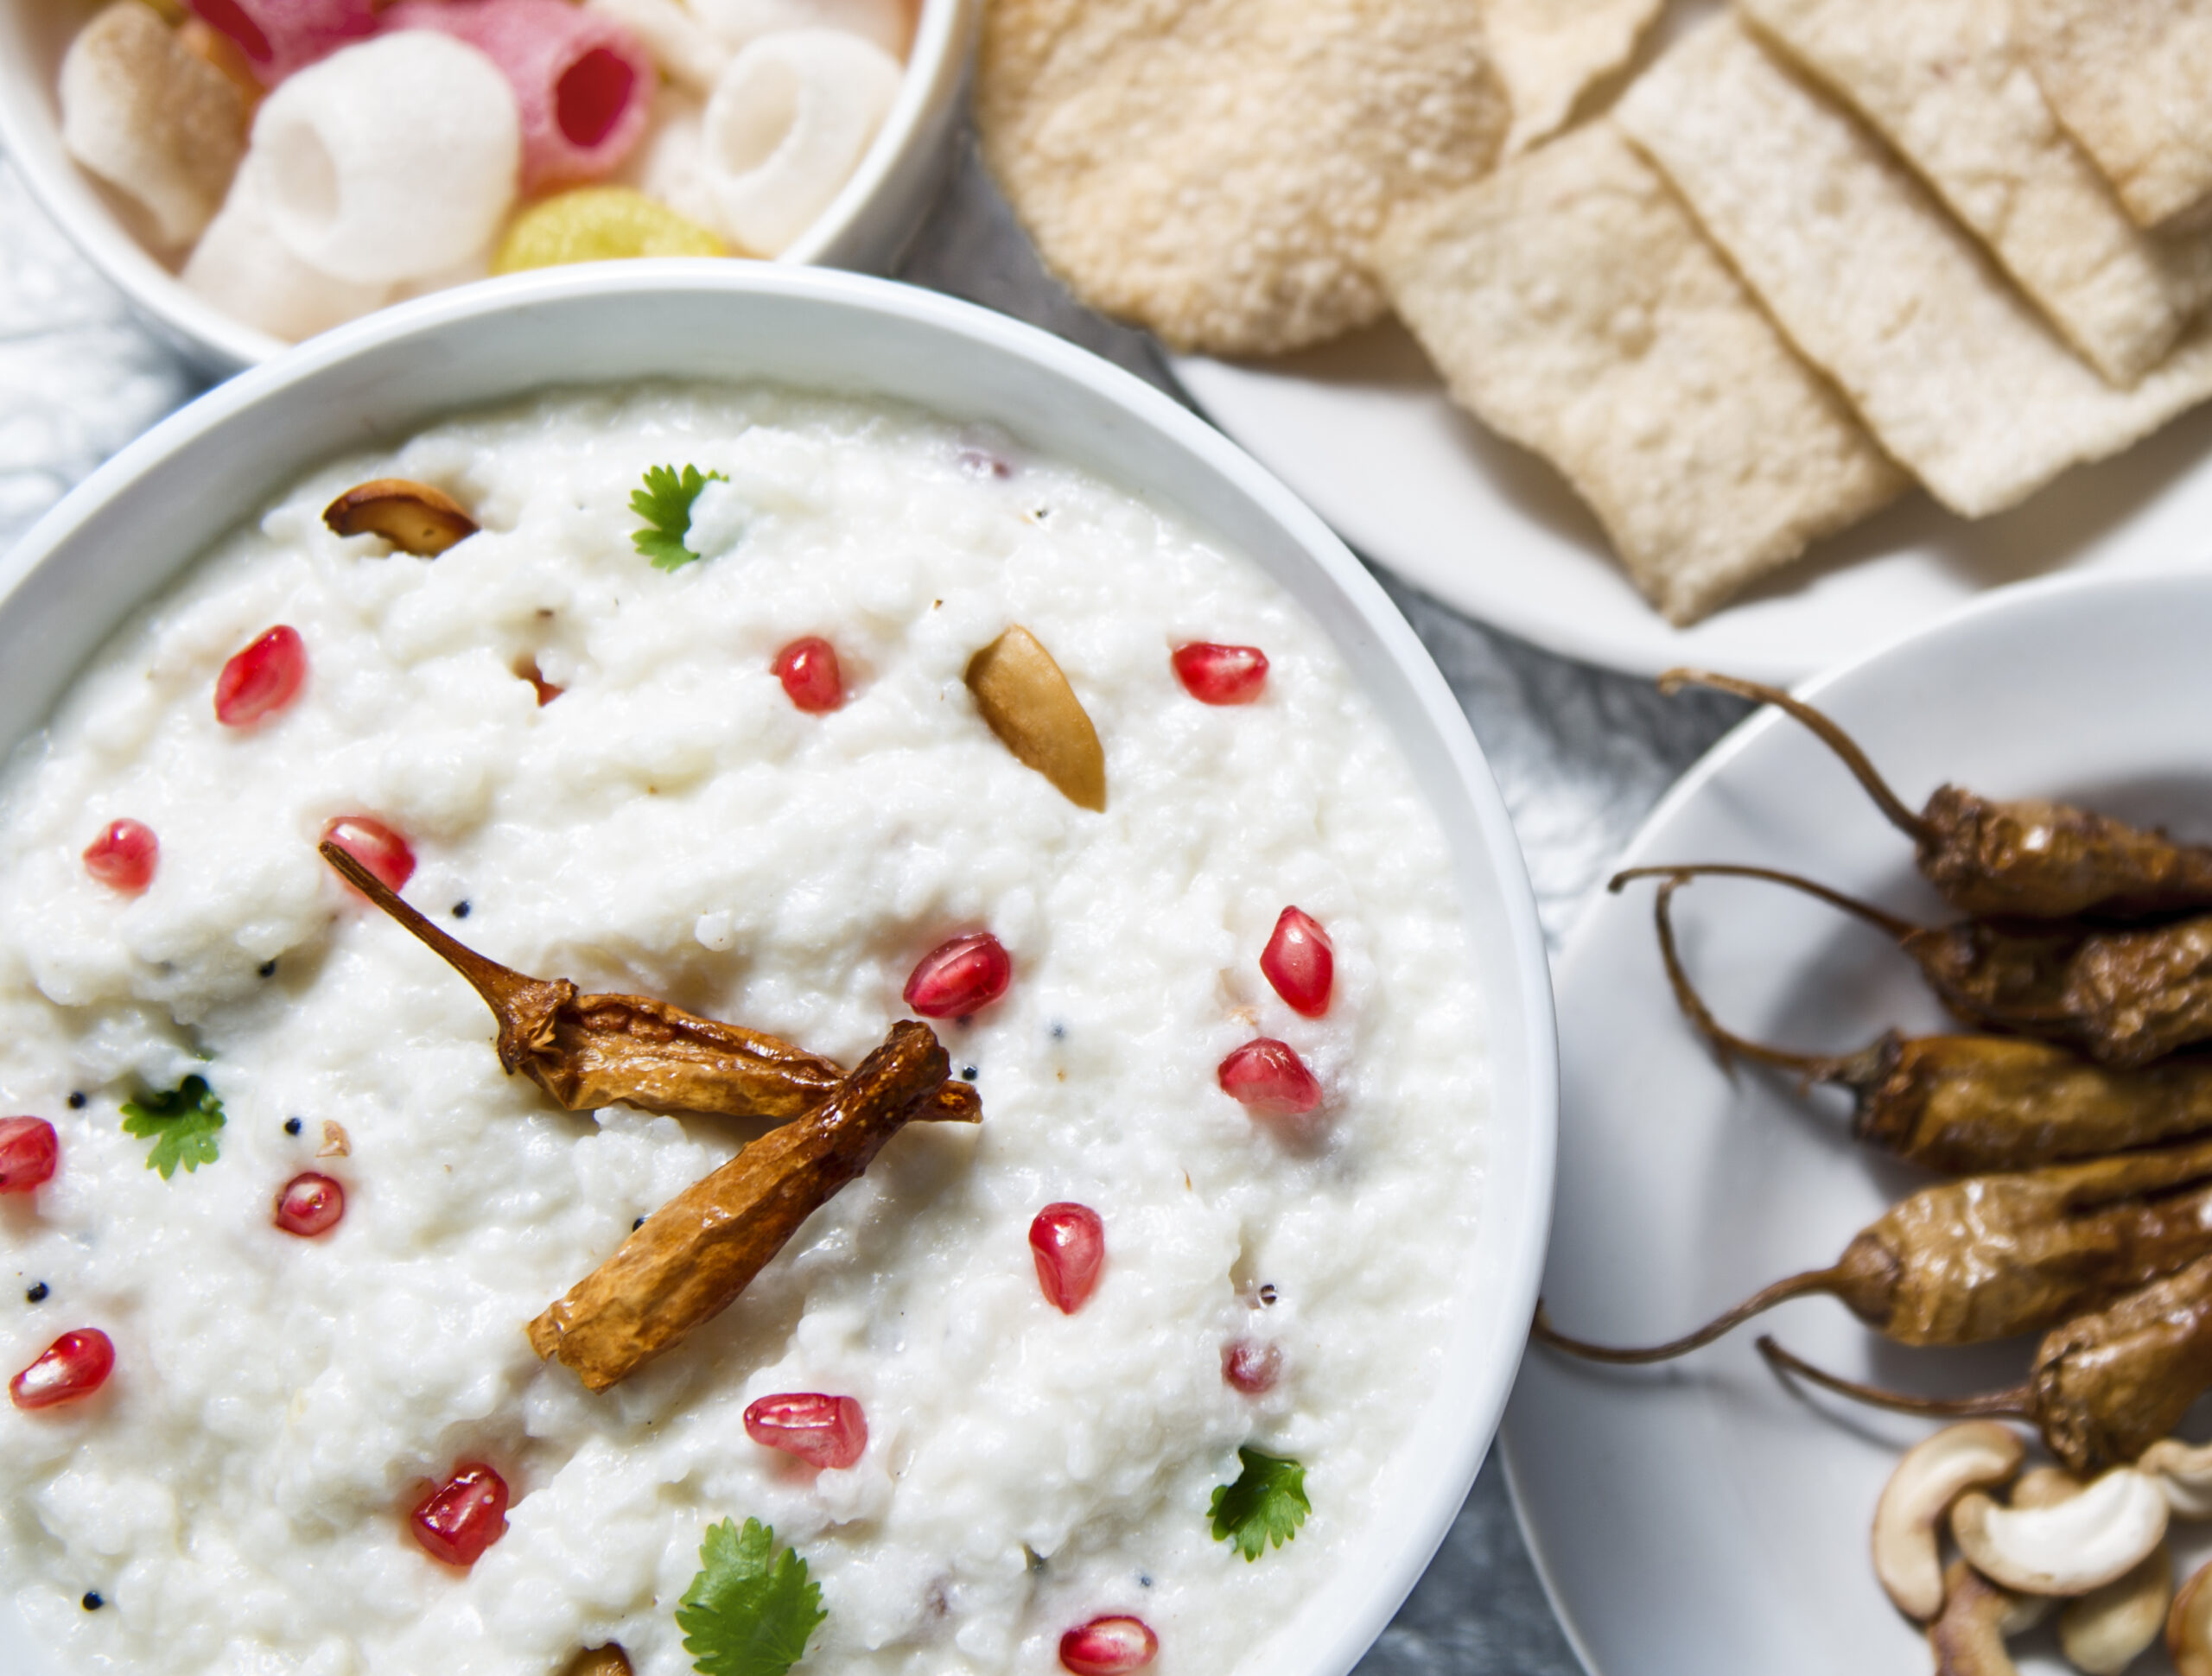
{"type": "Point", "coordinates": [181, 1123]}
{"type": "Point", "coordinates": [750, 1609]}
{"type": "Point", "coordinates": [666, 505]}
{"type": "Point", "coordinates": [1266, 1504]}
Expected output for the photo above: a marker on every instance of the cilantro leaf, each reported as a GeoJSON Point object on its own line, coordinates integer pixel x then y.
{"type": "Point", "coordinates": [1266, 1503]}
{"type": "Point", "coordinates": [666, 505]}
{"type": "Point", "coordinates": [750, 1609]}
{"type": "Point", "coordinates": [180, 1122]}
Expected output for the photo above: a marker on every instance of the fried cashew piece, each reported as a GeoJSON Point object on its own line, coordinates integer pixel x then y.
{"type": "Point", "coordinates": [1934, 1472]}
{"type": "Point", "coordinates": [413, 517]}
{"type": "Point", "coordinates": [2106, 1629]}
{"type": "Point", "coordinates": [1962, 1105]}
{"type": "Point", "coordinates": [2024, 857]}
{"type": "Point", "coordinates": [1029, 704]}
{"type": "Point", "coordinates": [593, 1051]}
{"type": "Point", "coordinates": [1968, 1637]}
{"type": "Point", "coordinates": [694, 1256]}
{"type": "Point", "coordinates": [2123, 997]}
{"type": "Point", "coordinates": [608, 1661]}
{"type": "Point", "coordinates": [2102, 1388]}
{"type": "Point", "coordinates": [1985, 1257]}
{"type": "Point", "coordinates": [2189, 1626]}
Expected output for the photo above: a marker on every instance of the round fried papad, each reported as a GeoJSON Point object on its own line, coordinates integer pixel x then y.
{"type": "Point", "coordinates": [1217, 170]}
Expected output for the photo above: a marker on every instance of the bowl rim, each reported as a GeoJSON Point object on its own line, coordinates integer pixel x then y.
{"type": "Point", "coordinates": [1421, 1488]}
{"type": "Point", "coordinates": [30, 138]}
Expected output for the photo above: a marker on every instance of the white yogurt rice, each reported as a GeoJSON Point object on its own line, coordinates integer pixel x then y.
{"type": "Point", "coordinates": [237, 1496]}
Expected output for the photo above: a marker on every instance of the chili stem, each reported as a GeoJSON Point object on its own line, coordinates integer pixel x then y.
{"type": "Point", "coordinates": [500, 986]}
{"type": "Point", "coordinates": [1899, 929]}
{"type": "Point", "coordinates": [1796, 1286]}
{"type": "Point", "coordinates": [1999, 1405]}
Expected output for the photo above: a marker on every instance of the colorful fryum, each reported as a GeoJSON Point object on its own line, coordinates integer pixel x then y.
{"type": "Point", "coordinates": [276, 37]}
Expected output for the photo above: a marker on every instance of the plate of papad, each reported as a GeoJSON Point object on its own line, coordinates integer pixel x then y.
{"type": "Point", "coordinates": [1704, 1516]}
{"type": "Point", "coordinates": [1790, 326]}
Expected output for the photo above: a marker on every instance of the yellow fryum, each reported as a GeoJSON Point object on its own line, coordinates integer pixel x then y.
{"type": "Point", "coordinates": [600, 224]}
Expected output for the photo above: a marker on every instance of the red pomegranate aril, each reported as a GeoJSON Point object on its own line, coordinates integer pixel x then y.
{"type": "Point", "coordinates": [1069, 1242]}
{"type": "Point", "coordinates": [30, 1150]}
{"type": "Point", "coordinates": [960, 977]}
{"type": "Point", "coordinates": [1109, 1646]}
{"type": "Point", "coordinates": [824, 1431]}
{"type": "Point", "coordinates": [73, 1366]}
{"type": "Point", "coordinates": [123, 857]}
{"type": "Point", "coordinates": [311, 1204]}
{"type": "Point", "coordinates": [375, 846]}
{"type": "Point", "coordinates": [1268, 1079]}
{"type": "Point", "coordinates": [811, 679]}
{"type": "Point", "coordinates": [1252, 1368]}
{"type": "Point", "coordinates": [263, 679]}
{"type": "Point", "coordinates": [463, 1516]}
{"type": "Point", "coordinates": [1300, 962]}
{"type": "Point", "coordinates": [1221, 674]}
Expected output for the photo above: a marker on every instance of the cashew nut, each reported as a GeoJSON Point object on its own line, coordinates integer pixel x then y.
{"type": "Point", "coordinates": [2101, 1632]}
{"type": "Point", "coordinates": [608, 1661]}
{"type": "Point", "coordinates": [1029, 705]}
{"type": "Point", "coordinates": [413, 517]}
{"type": "Point", "coordinates": [2184, 1473]}
{"type": "Point", "coordinates": [1934, 1473]}
{"type": "Point", "coordinates": [2189, 1626]}
{"type": "Point", "coordinates": [2069, 1549]}
{"type": "Point", "coordinates": [1967, 1637]}
{"type": "Point", "coordinates": [2044, 1487]}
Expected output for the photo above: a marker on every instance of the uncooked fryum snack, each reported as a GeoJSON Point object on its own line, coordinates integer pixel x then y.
{"type": "Point", "coordinates": [1218, 170]}
{"type": "Point", "coordinates": [1946, 83]}
{"type": "Point", "coordinates": [2133, 81]}
{"type": "Point", "coordinates": [1550, 52]}
{"type": "Point", "coordinates": [599, 223]}
{"type": "Point", "coordinates": [1574, 307]}
{"type": "Point", "coordinates": [597, 765]}
{"type": "Point", "coordinates": [1958, 377]}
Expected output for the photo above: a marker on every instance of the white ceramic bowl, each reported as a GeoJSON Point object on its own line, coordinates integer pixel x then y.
{"type": "Point", "coordinates": [131, 527]}
{"type": "Point", "coordinates": [864, 228]}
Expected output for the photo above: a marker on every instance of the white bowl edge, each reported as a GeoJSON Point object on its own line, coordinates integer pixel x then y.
{"type": "Point", "coordinates": [127, 530]}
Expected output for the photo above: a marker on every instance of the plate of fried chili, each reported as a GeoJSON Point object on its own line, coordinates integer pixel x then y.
{"type": "Point", "coordinates": [1895, 1033]}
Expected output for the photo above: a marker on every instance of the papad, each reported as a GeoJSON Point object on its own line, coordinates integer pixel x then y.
{"type": "Point", "coordinates": [1573, 306]}
{"type": "Point", "coordinates": [1551, 51]}
{"type": "Point", "coordinates": [1948, 365]}
{"type": "Point", "coordinates": [1217, 170]}
{"type": "Point", "coordinates": [1946, 83]}
{"type": "Point", "coordinates": [2132, 79]}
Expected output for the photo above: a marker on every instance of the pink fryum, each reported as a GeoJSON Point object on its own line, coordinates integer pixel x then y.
{"type": "Point", "coordinates": [280, 36]}
{"type": "Point", "coordinates": [583, 85]}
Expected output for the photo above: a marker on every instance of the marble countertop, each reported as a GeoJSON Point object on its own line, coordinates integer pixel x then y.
{"type": "Point", "coordinates": [1580, 755]}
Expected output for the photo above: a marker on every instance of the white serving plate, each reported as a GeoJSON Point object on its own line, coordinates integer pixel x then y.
{"type": "Point", "coordinates": [1363, 429]}
{"type": "Point", "coordinates": [127, 530]}
{"type": "Point", "coordinates": [864, 228]}
{"type": "Point", "coordinates": [1703, 1517]}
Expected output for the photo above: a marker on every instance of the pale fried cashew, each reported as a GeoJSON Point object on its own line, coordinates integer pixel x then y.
{"type": "Point", "coordinates": [2102, 1632]}
{"type": "Point", "coordinates": [608, 1661]}
{"type": "Point", "coordinates": [1933, 1474]}
{"type": "Point", "coordinates": [2184, 1471]}
{"type": "Point", "coordinates": [1030, 707]}
{"type": "Point", "coordinates": [413, 517]}
{"type": "Point", "coordinates": [1967, 1637]}
{"type": "Point", "coordinates": [2079, 1545]}
{"type": "Point", "coordinates": [2044, 1487]}
{"type": "Point", "coordinates": [2189, 1626]}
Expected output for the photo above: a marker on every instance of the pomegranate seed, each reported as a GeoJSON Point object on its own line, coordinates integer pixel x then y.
{"type": "Point", "coordinates": [809, 670]}
{"type": "Point", "coordinates": [263, 679]}
{"type": "Point", "coordinates": [73, 1366]}
{"type": "Point", "coordinates": [375, 846]}
{"type": "Point", "coordinates": [311, 1204]}
{"type": "Point", "coordinates": [28, 1152]}
{"type": "Point", "coordinates": [960, 977]}
{"type": "Point", "coordinates": [1069, 1242]}
{"type": "Point", "coordinates": [1300, 962]}
{"type": "Point", "coordinates": [1252, 1368]}
{"type": "Point", "coordinates": [1221, 674]}
{"type": "Point", "coordinates": [463, 1516]}
{"type": "Point", "coordinates": [1107, 1647]}
{"type": "Point", "coordinates": [824, 1431]}
{"type": "Point", "coordinates": [1269, 1079]}
{"type": "Point", "coordinates": [123, 857]}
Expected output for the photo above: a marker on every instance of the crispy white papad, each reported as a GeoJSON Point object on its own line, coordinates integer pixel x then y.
{"type": "Point", "coordinates": [2132, 79]}
{"type": "Point", "coordinates": [1573, 306]}
{"type": "Point", "coordinates": [1217, 170]}
{"type": "Point", "coordinates": [1946, 84]}
{"type": "Point", "coordinates": [1949, 366]}
{"type": "Point", "coordinates": [1551, 51]}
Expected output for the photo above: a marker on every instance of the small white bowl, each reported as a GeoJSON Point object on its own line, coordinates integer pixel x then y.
{"type": "Point", "coordinates": [864, 228]}
{"type": "Point", "coordinates": [134, 523]}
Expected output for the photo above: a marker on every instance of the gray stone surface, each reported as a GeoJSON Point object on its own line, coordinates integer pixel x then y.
{"type": "Point", "coordinates": [1581, 754]}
